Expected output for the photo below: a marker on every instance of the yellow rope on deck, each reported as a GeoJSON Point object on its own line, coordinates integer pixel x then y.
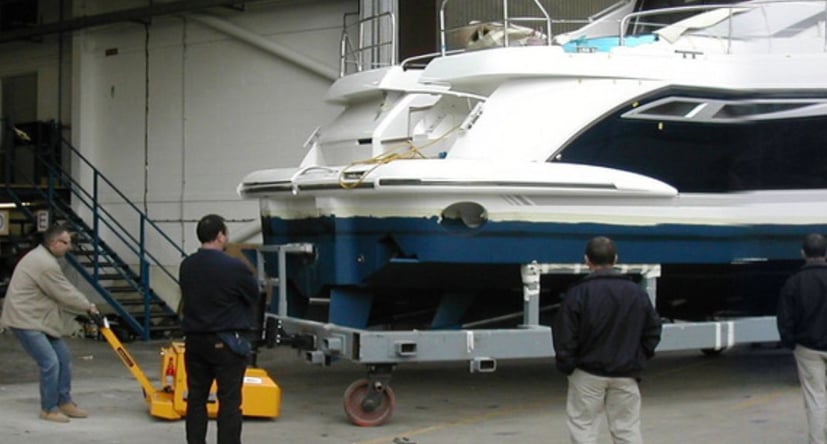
{"type": "Point", "coordinates": [411, 152]}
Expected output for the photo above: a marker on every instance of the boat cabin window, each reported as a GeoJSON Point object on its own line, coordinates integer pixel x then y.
{"type": "Point", "coordinates": [712, 145]}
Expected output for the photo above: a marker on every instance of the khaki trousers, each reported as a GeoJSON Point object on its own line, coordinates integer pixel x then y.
{"type": "Point", "coordinates": [811, 374]}
{"type": "Point", "coordinates": [589, 395]}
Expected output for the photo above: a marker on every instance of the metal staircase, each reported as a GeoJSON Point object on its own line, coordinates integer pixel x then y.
{"type": "Point", "coordinates": [123, 270]}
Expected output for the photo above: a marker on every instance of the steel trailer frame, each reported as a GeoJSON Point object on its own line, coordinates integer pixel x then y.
{"type": "Point", "coordinates": [370, 402]}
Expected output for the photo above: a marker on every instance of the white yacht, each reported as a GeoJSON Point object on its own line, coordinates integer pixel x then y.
{"type": "Point", "coordinates": [692, 136]}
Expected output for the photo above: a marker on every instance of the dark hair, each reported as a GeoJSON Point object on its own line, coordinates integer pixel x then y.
{"type": "Point", "coordinates": [601, 251]}
{"type": "Point", "coordinates": [53, 233]}
{"type": "Point", "coordinates": [209, 226]}
{"type": "Point", "coordinates": [814, 245]}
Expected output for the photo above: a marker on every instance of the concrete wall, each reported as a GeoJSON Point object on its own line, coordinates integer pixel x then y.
{"type": "Point", "coordinates": [176, 113]}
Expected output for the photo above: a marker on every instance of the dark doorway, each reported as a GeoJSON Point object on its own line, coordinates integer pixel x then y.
{"type": "Point", "coordinates": [18, 109]}
{"type": "Point", "coordinates": [417, 28]}
{"type": "Point", "coordinates": [20, 97]}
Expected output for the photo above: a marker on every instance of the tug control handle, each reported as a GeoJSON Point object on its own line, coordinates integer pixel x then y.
{"type": "Point", "coordinates": [122, 353]}
{"type": "Point", "coordinates": [99, 319]}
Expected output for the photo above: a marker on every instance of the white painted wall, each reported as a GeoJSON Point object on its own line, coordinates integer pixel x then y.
{"type": "Point", "coordinates": [214, 108]}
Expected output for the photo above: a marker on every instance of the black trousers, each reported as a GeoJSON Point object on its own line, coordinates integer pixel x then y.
{"type": "Point", "coordinates": [208, 359]}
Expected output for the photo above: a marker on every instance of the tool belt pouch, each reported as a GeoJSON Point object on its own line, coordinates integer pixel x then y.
{"type": "Point", "coordinates": [237, 343]}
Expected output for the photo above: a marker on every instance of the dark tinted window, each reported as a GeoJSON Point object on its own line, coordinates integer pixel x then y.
{"type": "Point", "coordinates": [709, 157]}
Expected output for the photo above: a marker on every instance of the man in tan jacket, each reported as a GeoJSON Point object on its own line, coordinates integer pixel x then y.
{"type": "Point", "coordinates": [36, 299]}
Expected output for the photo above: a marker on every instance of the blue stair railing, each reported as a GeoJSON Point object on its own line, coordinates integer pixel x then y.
{"type": "Point", "coordinates": [135, 249]}
{"type": "Point", "coordinates": [133, 239]}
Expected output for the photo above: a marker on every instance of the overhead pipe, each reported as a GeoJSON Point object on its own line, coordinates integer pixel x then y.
{"type": "Point", "coordinates": [265, 44]}
{"type": "Point", "coordinates": [122, 15]}
{"type": "Point", "coordinates": [271, 47]}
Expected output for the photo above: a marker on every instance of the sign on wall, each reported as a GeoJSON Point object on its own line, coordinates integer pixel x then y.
{"type": "Point", "coordinates": [42, 217]}
{"type": "Point", "coordinates": [4, 223]}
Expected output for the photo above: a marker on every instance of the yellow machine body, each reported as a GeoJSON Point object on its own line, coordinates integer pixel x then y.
{"type": "Point", "coordinates": [260, 395]}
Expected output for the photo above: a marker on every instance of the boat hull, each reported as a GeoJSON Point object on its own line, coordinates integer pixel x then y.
{"type": "Point", "coordinates": [391, 270]}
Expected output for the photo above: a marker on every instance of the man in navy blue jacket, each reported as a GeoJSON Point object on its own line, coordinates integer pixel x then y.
{"type": "Point", "coordinates": [218, 294]}
{"type": "Point", "coordinates": [605, 331]}
{"type": "Point", "coordinates": [802, 325]}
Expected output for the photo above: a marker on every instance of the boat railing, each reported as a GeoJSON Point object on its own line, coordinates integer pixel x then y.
{"type": "Point", "coordinates": [508, 23]}
{"type": "Point", "coordinates": [422, 60]}
{"type": "Point", "coordinates": [370, 50]}
{"type": "Point", "coordinates": [614, 7]}
{"type": "Point", "coordinates": [731, 8]}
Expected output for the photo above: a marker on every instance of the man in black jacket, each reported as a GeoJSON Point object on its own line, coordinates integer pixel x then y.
{"type": "Point", "coordinates": [802, 325]}
{"type": "Point", "coordinates": [218, 294]}
{"type": "Point", "coordinates": [605, 331]}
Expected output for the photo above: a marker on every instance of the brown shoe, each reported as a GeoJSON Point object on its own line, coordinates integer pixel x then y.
{"type": "Point", "coordinates": [54, 416]}
{"type": "Point", "coordinates": [72, 410]}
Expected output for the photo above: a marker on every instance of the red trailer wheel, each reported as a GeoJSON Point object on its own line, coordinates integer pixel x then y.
{"type": "Point", "coordinates": [366, 412]}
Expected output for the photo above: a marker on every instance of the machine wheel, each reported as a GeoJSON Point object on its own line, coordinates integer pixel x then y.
{"type": "Point", "coordinates": [364, 412]}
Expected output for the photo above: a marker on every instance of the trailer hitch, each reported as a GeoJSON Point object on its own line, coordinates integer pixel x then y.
{"type": "Point", "coordinates": [274, 334]}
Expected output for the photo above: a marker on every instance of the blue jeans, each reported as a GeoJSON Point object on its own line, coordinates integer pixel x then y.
{"type": "Point", "coordinates": [55, 363]}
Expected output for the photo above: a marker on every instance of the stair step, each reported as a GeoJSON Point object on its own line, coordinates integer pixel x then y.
{"type": "Point", "coordinates": [122, 282]}
{"type": "Point", "coordinates": [82, 252]}
{"type": "Point", "coordinates": [111, 277]}
{"type": "Point", "coordinates": [134, 302]}
{"type": "Point", "coordinates": [139, 299]}
{"type": "Point", "coordinates": [155, 312]}
{"type": "Point", "coordinates": [112, 274]}
{"type": "Point", "coordinates": [164, 327]}
{"type": "Point", "coordinates": [166, 320]}
{"type": "Point", "coordinates": [89, 264]}
{"type": "Point", "coordinates": [122, 289]}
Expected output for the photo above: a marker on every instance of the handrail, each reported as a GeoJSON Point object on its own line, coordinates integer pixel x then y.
{"type": "Point", "coordinates": [103, 218]}
{"type": "Point", "coordinates": [607, 10]}
{"type": "Point", "coordinates": [448, 92]}
{"type": "Point", "coordinates": [135, 244]}
{"type": "Point", "coordinates": [119, 309]}
{"type": "Point", "coordinates": [345, 43]}
{"type": "Point", "coordinates": [59, 209]}
{"type": "Point", "coordinates": [443, 46]}
{"type": "Point", "coordinates": [126, 199]}
{"type": "Point", "coordinates": [624, 22]}
{"type": "Point", "coordinates": [346, 47]}
{"type": "Point", "coordinates": [731, 7]}
{"type": "Point", "coordinates": [139, 246]}
{"type": "Point", "coordinates": [133, 236]}
{"type": "Point", "coordinates": [430, 55]}
{"type": "Point", "coordinates": [112, 222]}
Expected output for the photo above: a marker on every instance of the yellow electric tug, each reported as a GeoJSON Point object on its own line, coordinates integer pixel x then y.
{"type": "Point", "coordinates": [261, 396]}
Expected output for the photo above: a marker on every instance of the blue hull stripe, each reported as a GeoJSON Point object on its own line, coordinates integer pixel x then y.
{"type": "Point", "coordinates": [425, 240]}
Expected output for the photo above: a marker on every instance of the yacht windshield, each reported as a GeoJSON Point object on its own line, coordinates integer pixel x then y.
{"type": "Point", "coordinates": [786, 19]}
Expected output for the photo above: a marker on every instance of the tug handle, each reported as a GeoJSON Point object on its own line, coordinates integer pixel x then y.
{"type": "Point", "coordinates": [123, 353]}
{"type": "Point", "coordinates": [99, 319]}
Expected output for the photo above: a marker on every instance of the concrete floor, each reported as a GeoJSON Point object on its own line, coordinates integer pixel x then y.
{"type": "Point", "coordinates": [746, 395]}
